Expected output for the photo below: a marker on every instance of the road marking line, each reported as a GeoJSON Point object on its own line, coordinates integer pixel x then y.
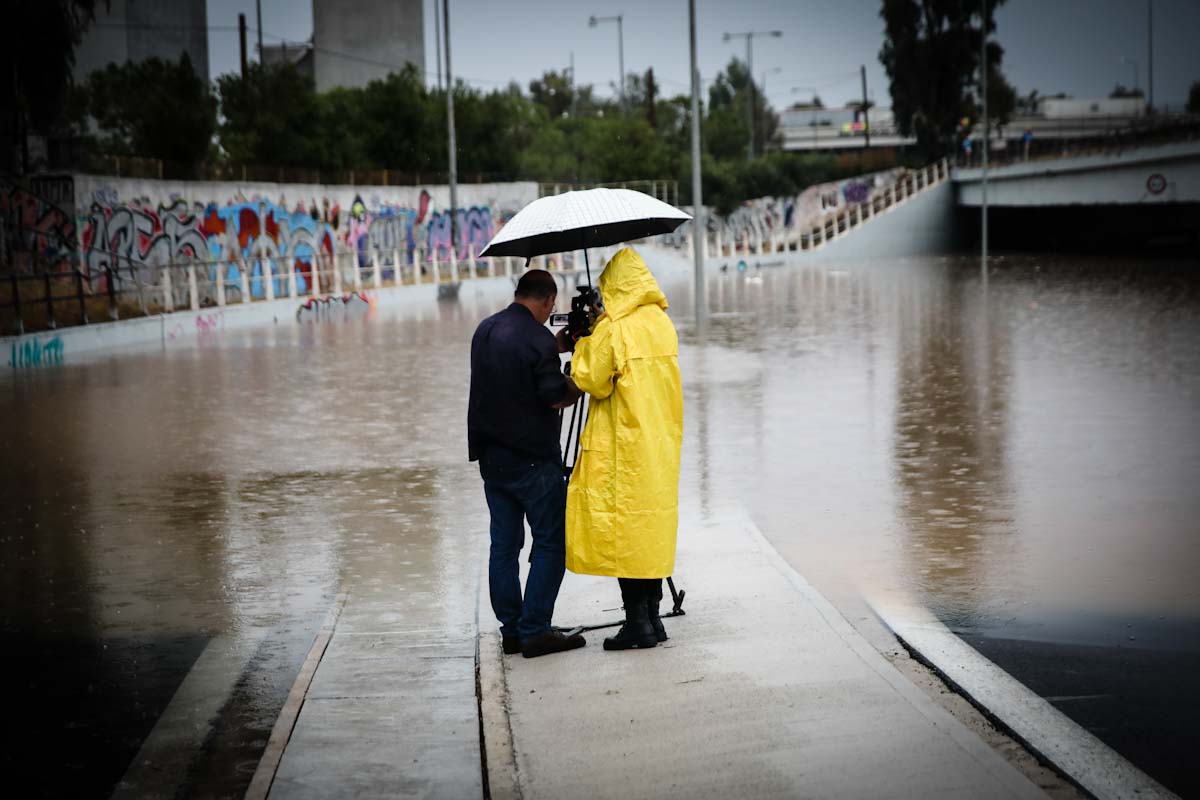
{"type": "Point", "coordinates": [268, 765]}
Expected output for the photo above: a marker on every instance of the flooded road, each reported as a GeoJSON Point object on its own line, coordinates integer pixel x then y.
{"type": "Point", "coordinates": [1022, 459]}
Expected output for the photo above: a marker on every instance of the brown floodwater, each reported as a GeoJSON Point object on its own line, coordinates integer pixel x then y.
{"type": "Point", "coordinates": [1022, 457]}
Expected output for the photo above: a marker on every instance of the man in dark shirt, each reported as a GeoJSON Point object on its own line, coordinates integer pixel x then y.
{"type": "Point", "coordinates": [517, 389]}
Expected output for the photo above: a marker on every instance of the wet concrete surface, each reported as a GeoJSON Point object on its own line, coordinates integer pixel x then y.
{"type": "Point", "coordinates": [1024, 458]}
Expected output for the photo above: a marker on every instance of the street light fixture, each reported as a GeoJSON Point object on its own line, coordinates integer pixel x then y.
{"type": "Point", "coordinates": [771, 71]}
{"type": "Point", "coordinates": [1133, 61]}
{"type": "Point", "coordinates": [593, 21]}
{"type": "Point", "coordinates": [749, 37]}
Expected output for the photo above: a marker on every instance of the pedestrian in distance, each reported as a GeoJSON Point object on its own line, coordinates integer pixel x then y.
{"type": "Point", "coordinates": [623, 498]}
{"type": "Point", "coordinates": [517, 389]}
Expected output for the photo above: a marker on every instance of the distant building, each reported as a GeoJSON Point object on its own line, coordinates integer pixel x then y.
{"type": "Point", "coordinates": [134, 30]}
{"type": "Point", "coordinates": [811, 128]}
{"type": "Point", "coordinates": [298, 54]}
{"type": "Point", "coordinates": [355, 43]}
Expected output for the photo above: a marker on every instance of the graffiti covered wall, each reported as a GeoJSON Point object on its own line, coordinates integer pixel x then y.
{"type": "Point", "coordinates": [761, 219]}
{"type": "Point", "coordinates": [147, 223]}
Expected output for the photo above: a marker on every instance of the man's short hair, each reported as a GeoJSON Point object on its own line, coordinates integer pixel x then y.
{"type": "Point", "coordinates": [536, 284]}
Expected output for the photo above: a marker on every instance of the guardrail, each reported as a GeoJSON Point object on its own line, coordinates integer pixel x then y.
{"type": "Point", "coordinates": [814, 235]}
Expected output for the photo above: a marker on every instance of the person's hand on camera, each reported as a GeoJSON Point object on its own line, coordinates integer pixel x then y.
{"type": "Point", "coordinates": [565, 345]}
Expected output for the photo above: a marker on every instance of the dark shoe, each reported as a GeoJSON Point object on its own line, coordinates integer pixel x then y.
{"type": "Point", "coordinates": [637, 632]}
{"type": "Point", "coordinates": [512, 645]}
{"type": "Point", "coordinates": [660, 632]}
{"type": "Point", "coordinates": [550, 642]}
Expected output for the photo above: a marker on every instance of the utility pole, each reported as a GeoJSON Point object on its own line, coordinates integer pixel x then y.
{"type": "Point", "coordinates": [242, 41]}
{"type": "Point", "coordinates": [593, 21]}
{"type": "Point", "coordinates": [258, 6]}
{"type": "Point", "coordinates": [866, 115]}
{"type": "Point", "coordinates": [699, 226]}
{"type": "Point", "coordinates": [1150, 55]}
{"type": "Point", "coordinates": [749, 36]}
{"type": "Point", "coordinates": [437, 39]}
{"type": "Point", "coordinates": [983, 71]}
{"type": "Point", "coordinates": [574, 106]}
{"type": "Point", "coordinates": [450, 125]}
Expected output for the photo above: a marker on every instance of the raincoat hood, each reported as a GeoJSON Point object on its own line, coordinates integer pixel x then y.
{"type": "Point", "coordinates": [627, 283]}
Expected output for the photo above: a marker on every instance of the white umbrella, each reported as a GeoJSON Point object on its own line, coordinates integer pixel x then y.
{"type": "Point", "coordinates": [583, 219]}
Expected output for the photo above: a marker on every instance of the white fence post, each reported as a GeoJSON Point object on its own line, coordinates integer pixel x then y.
{"type": "Point", "coordinates": [314, 285]}
{"type": "Point", "coordinates": [377, 272]}
{"type": "Point", "coordinates": [268, 274]}
{"type": "Point", "coordinates": [471, 261]}
{"type": "Point", "coordinates": [245, 270]}
{"type": "Point", "coordinates": [337, 272]}
{"type": "Point", "coordinates": [291, 268]}
{"type": "Point", "coordinates": [398, 266]}
{"type": "Point", "coordinates": [193, 291]}
{"type": "Point", "coordinates": [168, 299]}
{"type": "Point", "coordinates": [436, 268]}
{"type": "Point", "coordinates": [416, 265]}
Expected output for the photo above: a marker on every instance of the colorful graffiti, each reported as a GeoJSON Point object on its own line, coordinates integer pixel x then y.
{"type": "Point", "coordinates": [36, 231]}
{"type": "Point", "coordinates": [135, 238]}
{"type": "Point", "coordinates": [34, 352]}
{"type": "Point", "coordinates": [325, 309]}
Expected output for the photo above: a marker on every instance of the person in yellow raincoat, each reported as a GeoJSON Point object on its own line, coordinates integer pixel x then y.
{"type": "Point", "coordinates": [623, 499]}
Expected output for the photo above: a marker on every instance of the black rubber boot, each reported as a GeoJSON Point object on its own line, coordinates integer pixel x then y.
{"type": "Point", "coordinates": [637, 632]}
{"type": "Point", "coordinates": [653, 598]}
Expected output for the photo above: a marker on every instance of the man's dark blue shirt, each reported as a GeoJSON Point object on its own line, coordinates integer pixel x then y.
{"type": "Point", "coordinates": [515, 379]}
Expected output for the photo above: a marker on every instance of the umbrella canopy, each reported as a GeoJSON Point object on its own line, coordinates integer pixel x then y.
{"type": "Point", "coordinates": [582, 219]}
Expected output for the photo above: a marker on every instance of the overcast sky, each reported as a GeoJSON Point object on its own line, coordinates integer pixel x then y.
{"type": "Point", "coordinates": [1081, 47]}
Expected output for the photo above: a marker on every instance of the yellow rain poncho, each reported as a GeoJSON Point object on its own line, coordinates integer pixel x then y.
{"type": "Point", "coordinates": [623, 499]}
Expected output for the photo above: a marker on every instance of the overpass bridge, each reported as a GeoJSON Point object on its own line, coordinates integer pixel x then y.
{"type": "Point", "coordinates": [1136, 196]}
{"type": "Point", "coordinates": [1150, 175]}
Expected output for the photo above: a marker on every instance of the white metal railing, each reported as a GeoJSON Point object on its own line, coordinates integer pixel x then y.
{"type": "Point", "coordinates": [816, 235]}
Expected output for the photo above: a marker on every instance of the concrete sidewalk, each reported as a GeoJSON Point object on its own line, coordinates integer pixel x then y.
{"type": "Point", "coordinates": [764, 690]}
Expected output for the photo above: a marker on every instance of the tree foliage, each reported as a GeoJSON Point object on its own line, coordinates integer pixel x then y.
{"type": "Point", "coordinates": [555, 132]}
{"type": "Point", "coordinates": [931, 54]}
{"type": "Point", "coordinates": [37, 53]}
{"type": "Point", "coordinates": [1193, 101]}
{"type": "Point", "coordinates": [155, 109]}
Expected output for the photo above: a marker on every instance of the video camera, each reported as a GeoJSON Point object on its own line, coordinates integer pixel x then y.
{"type": "Point", "coordinates": [585, 307]}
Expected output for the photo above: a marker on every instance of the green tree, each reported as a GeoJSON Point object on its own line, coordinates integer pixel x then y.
{"type": "Point", "coordinates": [726, 127]}
{"type": "Point", "coordinates": [153, 109]}
{"type": "Point", "coordinates": [931, 54]}
{"type": "Point", "coordinates": [37, 53]}
{"type": "Point", "coordinates": [272, 117]}
{"type": "Point", "coordinates": [1193, 101]}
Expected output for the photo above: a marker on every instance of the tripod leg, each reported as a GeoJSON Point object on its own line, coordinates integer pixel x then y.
{"type": "Point", "coordinates": [676, 600]}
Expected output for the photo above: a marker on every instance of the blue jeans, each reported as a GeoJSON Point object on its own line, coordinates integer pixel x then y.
{"type": "Point", "coordinates": [538, 492]}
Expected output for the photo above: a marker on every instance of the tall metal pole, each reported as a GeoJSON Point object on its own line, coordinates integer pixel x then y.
{"type": "Point", "coordinates": [699, 226]}
{"type": "Point", "coordinates": [983, 66]}
{"type": "Point", "coordinates": [242, 42]}
{"type": "Point", "coordinates": [866, 116]}
{"type": "Point", "coordinates": [450, 125]}
{"type": "Point", "coordinates": [1150, 56]}
{"type": "Point", "coordinates": [621, 61]}
{"type": "Point", "coordinates": [258, 7]}
{"type": "Point", "coordinates": [574, 105]}
{"type": "Point", "coordinates": [437, 39]}
{"type": "Point", "coordinates": [750, 94]}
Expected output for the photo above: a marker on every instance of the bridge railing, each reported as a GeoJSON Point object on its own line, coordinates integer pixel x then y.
{"type": "Point", "coordinates": [815, 234]}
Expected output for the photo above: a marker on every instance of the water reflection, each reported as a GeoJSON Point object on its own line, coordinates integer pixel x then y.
{"type": "Point", "coordinates": [951, 429]}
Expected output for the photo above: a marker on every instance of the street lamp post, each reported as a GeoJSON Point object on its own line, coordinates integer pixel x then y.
{"type": "Point", "coordinates": [771, 71]}
{"type": "Point", "coordinates": [1133, 62]}
{"type": "Point", "coordinates": [593, 21]}
{"type": "Point", "coordinates": [749, 37]}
